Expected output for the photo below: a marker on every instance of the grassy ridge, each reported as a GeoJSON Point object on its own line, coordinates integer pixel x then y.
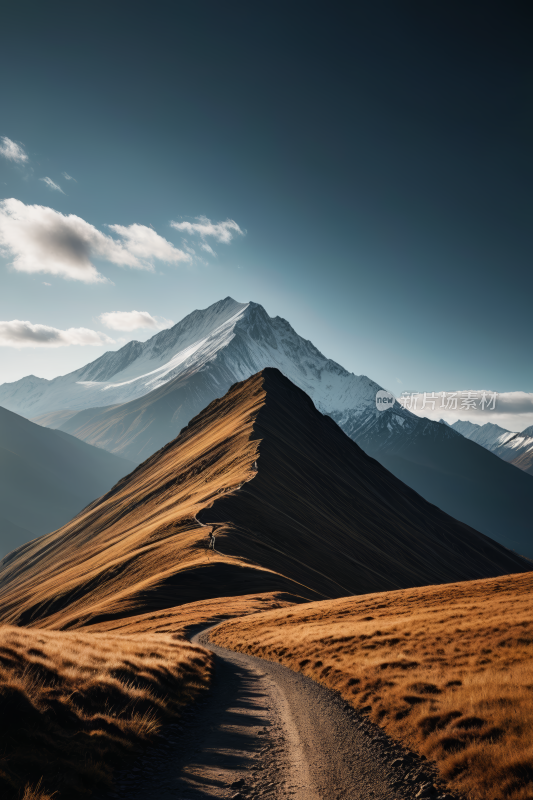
{"type": "Point", "coordinates": [447, 669]}
{"type": "Point", "coordinates": [73, 705]}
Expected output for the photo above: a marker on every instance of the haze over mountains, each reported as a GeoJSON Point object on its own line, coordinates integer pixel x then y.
{"type": "Point", "coordinates": [133, 401]}
{"type": "Point", "coordinates": [295, 504]}
{"type": "Point", "coordinates": [46, 477]}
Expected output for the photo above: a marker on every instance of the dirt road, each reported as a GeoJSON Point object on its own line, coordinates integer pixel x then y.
{"type": "Point", "coordinates": [267, 732]}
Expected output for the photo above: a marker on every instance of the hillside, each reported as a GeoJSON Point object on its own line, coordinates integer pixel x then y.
{"type": "Point", "coordinates": [447, 669]}
{"type": "Point", "coordinates": [74, 705]}
{"type": "Point", "coordinates": [133, 401]}
{"type": "Point", "coordinates": [46, 477]}
{"type": "Point", "coordinates": [457, 475]}
{"type": "Point", "coordinates": [316, 518]}
{"type": "Point", "coordinates": [515, 448]}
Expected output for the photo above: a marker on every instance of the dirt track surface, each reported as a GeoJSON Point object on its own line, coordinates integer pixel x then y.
{"type": "Point", "coordinates": [267, 732]}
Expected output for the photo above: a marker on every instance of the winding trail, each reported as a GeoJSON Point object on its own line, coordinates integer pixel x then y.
{"type": "Point", "coordinates": [264, 731]}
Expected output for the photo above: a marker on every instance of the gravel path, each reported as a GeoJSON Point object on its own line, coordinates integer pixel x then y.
{"type": "Point", "coordinates": [267, 732]}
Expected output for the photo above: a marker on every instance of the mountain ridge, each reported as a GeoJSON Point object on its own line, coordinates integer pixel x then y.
{"type": "Point", "coordinates": [512, 447]}
{"type": "Point", "coordinates": [317, 518]}
{"type": "Point", "coordinates": [231, 341]}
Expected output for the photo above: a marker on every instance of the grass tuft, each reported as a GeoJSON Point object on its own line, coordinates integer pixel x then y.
{"type": "Point", "coordinates": [74, 705]}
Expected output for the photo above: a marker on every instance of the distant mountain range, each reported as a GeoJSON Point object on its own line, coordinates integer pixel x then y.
{"type": "Point", "coordinates": [46, 477]}
{"type": "Point", "coordinates": [295, 505]}
{"type": "Point", "coordinates": [515, 448]}
{"type": "Point", "coordinates": [133, 401]}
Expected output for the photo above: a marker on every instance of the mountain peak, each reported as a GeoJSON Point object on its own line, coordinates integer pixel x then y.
{"type": "Point", "coordinates": [295, 506]}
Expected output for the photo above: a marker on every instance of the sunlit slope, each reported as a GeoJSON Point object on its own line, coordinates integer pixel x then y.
{"type": "Point", "coordinates": [318, 519]}
{"type": "Point", "coordinates": [139, 547]}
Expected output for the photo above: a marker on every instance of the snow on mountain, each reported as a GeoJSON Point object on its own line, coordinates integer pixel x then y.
{"type": "Point", "coordinates": [518, 450]}
{"type": "Point", "coordinates": [134, 401]}
{"type": "Point", "coordinates": [515, 448]}
{"type": "Point", "coordinates": [464, 427]}
{"type": "Point", "coordinates": [488, 435]}
{"type": "Point", "coordinates": [134, 370]}
{"type": "Point", "coordinates": [230, 340]}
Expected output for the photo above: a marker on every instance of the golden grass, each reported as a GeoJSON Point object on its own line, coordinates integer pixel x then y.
{"type": "Point", "coordinates": [317, 518]}
{"type": "Point", "coordinates": [117, 557]}
{"type": "Point", "coordinates": [75, 705]}
{"type": "Point", "coordinates": [447, 669]}
{"type": "Point", "coordinates": [183, 619]}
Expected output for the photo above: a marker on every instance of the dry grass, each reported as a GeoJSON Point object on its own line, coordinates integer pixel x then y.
{"type": "Point", "coordinates": [447, 669]}
{"type": "Point", "coordinates": [135, 549]}
{"type": "Point", "coordinates": [183, 619]}
{"type": "Point", "coordinates": [312, 520]}
{"type": "Point", "coordinates": [74, 705]}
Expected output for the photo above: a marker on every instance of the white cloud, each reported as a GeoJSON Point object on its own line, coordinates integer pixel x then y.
{"type": "Point", "coordinates": [19, 333]}
{"type": "Point", "coordinates": [208, 248]}
{"type": "Point", "coordinates": [12, 150]}
{"type": "Point", "coordinates": [220, 231]}
{"type": "Point", "coordinates": [512, 410]}
{"type": "Point", "coordinates": [50, 183]}
{"type": "Point", "coordinates": [145, 243]}
{"type": "Point", "coordinates": [68, 177]}
{"type": "Point", "coordinates": [47, 284]}
{"type": "Point", "coordinates": [133, 320]}
{"type": "Point", "coordinates": [40, 239]}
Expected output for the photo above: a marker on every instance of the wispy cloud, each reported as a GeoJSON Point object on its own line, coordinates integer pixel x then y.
{"type": "Point", "coordinates": [145, 244]}
{"type": "Point", "coordinates": [21, 333]}
{"type": "Point", "coordinates": [133, 320]}
{"type": "Point", "coordinates": [68, 177]}
{"type": "Point", "coordinates": [221, 231]}
{"type": "Point", "coordinates": [40, 239]}
{"type": "Point", "coordinates": [511, 410]}
{"type": "Point", "coordinates": [50, 183]}
{"type": "Point", "coordinates": [12, 150]}
{"type": "Point", "coordinates": [208, 248]}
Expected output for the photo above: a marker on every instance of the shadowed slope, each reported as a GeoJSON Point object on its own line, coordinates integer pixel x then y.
{"type": "Point", "coordinates": [46, 477]}
{"type": "Point", "coordinates": [318, 519]}
{"type": "Point", "coordinates": [136, 429]}
{"type": "Point", "coordinates": [328, 516]}
{"type": "Point", "coordinates": [75, 704]}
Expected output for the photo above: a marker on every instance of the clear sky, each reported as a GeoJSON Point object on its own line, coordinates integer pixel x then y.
{"type": "Point", "coordinates": [373, 160]}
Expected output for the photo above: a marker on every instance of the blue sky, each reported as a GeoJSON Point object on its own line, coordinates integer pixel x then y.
{"type": "Point", "coordinates": [374, 162]}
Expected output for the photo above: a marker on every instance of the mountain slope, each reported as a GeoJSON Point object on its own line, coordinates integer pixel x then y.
{"type": "Point", "coordinates": [317, 518]}
{"type": "Point", "coordinates": [515, 448]}
{"type": "Point", "coordinates": [459, 476]}
{"type": "Point", "coordinates": [228, 342]}
{"type": "Point", "coordinates": [133, 371]}
{"type": "Point", "coordinates": [225, 343]}
{"type": "Point", "coordinates": [46, 477]}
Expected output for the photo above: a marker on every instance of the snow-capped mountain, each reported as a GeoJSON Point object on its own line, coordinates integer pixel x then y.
{"type": "Point", "coordinates": [515, 448]}
{"type": "Point", "coordinates": [228, 340]}
{"type": "Point", "coordinates": [133, 401]}
{"type": "Point", "coordinates": [488, 435]}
